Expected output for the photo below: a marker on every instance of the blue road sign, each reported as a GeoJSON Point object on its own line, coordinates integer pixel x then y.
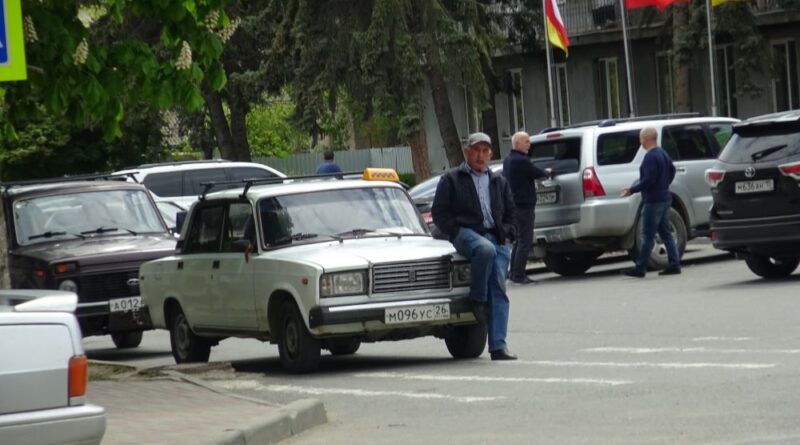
{"type": "Point", "coordinates": [3, 34]}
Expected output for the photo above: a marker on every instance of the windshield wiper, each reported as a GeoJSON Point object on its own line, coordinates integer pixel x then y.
{"type": "Point", "coordinates": [303, 235]}
{"type": "Point", "coordinates": [50, 234]}
{"type": "Point", "coordinates": [766, 152]}
{"type": "Point", "coordinates": [356, 232]}
{"type": "Point", "coordinates": [101, 229]}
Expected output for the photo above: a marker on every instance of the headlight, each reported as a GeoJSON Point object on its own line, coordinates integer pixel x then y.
{"type": "Point", "coordinates": [461, 274]}
{"type": "Point", "coordinates": [68, 285]}
{"type": "Point", "coordinates": [342, 283]}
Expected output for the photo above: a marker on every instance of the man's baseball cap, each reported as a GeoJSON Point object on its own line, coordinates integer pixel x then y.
{"type": "Point", "coordinates": [477, 138]}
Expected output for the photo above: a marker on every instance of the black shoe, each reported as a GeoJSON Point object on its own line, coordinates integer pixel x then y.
{"type": "Point", "coordinates": [523, 282]}
{"type": "Point", "coordinates": [502, 354]}
{"type": "Point", "coordinates": [671, 270]}
{"type": "Point", "coordinates": [633, 272]}
{"type": "Point", "coordinates": [479, 311]}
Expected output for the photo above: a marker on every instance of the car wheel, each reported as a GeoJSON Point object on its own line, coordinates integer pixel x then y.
{"type": "Point", "coordinates": [658, 257]}
{"type": "Point", "coordinates": [124, 340]}
{"type": "Point", "coordinates": [768, 267]}
{"type": "Point", "coordinates": [466, 341]}
{"type": "Point", "coordinates": [299, 351]}
{"type": "Point", "coordinates": [570, 263]}
{"type": "Point", "coordinates": [187, 347]}
{"type": "Point", "coordinates": [343, 346]}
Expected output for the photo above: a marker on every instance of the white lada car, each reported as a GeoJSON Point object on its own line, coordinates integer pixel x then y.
{"type": "Point", "coordinates": [320, 264]}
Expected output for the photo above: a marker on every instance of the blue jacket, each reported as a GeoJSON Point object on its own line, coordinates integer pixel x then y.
{"type": "Point", "coordinates": [655, 175]}
{"type": "Point", "coordinates": [521, 174]}
{"type": "Point", "coordinates": [328, 167]}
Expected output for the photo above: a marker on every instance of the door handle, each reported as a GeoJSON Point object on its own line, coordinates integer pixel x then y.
{"type": "Point", "coordinates": [681, 169]}
{"type": "Point", "coordinates": [215, 264]}
{"type": "Point", "coordinates": [180, 265]}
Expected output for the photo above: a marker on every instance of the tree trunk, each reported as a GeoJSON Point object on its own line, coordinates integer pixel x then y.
{"type": "Point", "coordinates": [219, 122]}
{"type": "Point", "coordinates": [241, 148]}
{"type": "Point", "coordinates": [444, 116]}
{"type": "Point", "coordinates": [680, 20]}
{"type": "Point", "coordinates": [419, 156]}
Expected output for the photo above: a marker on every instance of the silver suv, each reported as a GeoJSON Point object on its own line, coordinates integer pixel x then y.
{"type": "Point", "coordinates": [582, 215]}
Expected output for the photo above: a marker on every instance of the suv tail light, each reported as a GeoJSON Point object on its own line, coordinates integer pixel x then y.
{"type": "Point", "coordinates": [591, 185]}
{"type": "Point", "coordinates": [78, 375]}
{"type": "Point", "coordinates": [792, 170]}
{"type": "Point", "coordinates": [714, 177]}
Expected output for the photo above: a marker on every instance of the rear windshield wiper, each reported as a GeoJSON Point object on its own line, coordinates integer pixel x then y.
{"type": "Point", "coordinates": [766, 152]}
{"type": "Point", "coordinates": [50, 234]}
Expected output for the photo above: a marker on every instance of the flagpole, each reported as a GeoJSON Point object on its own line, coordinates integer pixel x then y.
{"type": "Point", "coordinates": [624, 12]}
{"type": "Point", "coordinates": [711, 67]}
{"type": "Point", "coordinates": [549, 68]}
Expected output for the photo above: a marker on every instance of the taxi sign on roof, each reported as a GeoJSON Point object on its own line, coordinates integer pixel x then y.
{"type": "Point", "coordinates": [12, 49]}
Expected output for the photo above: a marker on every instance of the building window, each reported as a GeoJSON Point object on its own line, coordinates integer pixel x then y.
{"type": "Point", "coordinates": [562, 92]}
{"type": "Point", "coordinates": [516, 112]}
{"type": "Point", "coordinates": [784, 84]}
{"type": "Point", "coordinates": [666, 96]}
{"type": "Point", "coordinates": [609, 88]}
{"type": "Point", "coordinates": [471, 113]}
{"type": "Point", "coordinates": [726, 81]}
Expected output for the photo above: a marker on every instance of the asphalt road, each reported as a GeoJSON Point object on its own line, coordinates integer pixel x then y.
{"type": "Point", "coordinates": [709, 356]}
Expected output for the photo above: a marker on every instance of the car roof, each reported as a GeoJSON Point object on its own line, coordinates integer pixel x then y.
{"type": "Point", "coordinates": [279, 189]}
{"type": "Point", "coordinates": [146, 169]}
{"type": "Point", "coordinates": [611, 126]}
{"type": "Point", "coordinates": [15, 190]}
{"type": "Point", "coordinates": [783, 116]}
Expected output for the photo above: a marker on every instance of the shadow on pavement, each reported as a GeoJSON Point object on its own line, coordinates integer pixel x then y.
{"type": "Point", "coordinates": [333, 365]}
{"type": "Point", "coordinates": [111, 354]}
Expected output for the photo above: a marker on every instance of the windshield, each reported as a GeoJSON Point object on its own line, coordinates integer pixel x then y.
{"type": "Point", "coordinates": [745, 149]}
{"type": "Point", "coordinates": [82, 215]}
{"type": "Point", "coordinates": [337, 214]}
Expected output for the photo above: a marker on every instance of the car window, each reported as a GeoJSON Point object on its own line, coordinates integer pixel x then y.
{"type": "Point", "coordinates": [192, 179]}
{"type": "Point", "coordinates": [722, 133]}
{"type": "Point", "coordinates": [562, 155]}
{"type": "Point", "coordinates": [239, 225]}
{"type": "Point", "coordinates": [425, 189]}
{"type": "Point", "coordinates": [687, 142]}
{"type": "Point", "coordinates": [249, 173]}
{"type": "Point", "coordinates": [164, 184]}
{"type": "Point", "coordinates": [617, 148]}
{"type": "Point", "coordinates": [206, 230]}
{"type": "Point", "coordinates": [767, 144]}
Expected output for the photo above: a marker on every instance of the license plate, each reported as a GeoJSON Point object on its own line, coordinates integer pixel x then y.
{"type": "Point", "coordinates": [764, 185]}
{"type": "Point", "coordinates": [428, 312]}
{"type": "Point", "coordinates": [125, 304]}
{"type": "Point", "coordinates": [546, 197]}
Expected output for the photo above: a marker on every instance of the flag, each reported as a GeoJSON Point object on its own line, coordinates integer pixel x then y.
{"type": "Point", "coordinates": [556, 33]}
{"type": "Point", "coordinates": [660, 4]}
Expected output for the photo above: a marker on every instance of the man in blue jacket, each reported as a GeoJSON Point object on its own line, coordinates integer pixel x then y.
{"type": "Point", "coordinates": [655, 175]}
{"type": "Point", "coordinates": [328, 166]}
{"type": "Point", "coordinates": [475, 210]}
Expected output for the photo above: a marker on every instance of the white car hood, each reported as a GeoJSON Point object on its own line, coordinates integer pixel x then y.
{"type": "Point", "coordinates": [360, 253]}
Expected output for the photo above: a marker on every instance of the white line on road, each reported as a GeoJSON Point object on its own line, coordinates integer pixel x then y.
{"type": "Point", "coordinates": [697, 349]}
{"type": "Point", "coordinates": [475, 378]}
{"type": "Point", "coordinates": [667, 365]}
{"type": "Point", "coordinates": [254, 385]}
{"type": "Point", "coordinates": [722, 338]}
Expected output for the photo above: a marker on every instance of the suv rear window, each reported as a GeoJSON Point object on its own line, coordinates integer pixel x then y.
{"type": "Point", "coordinates": [617, 148]}
{"type": "Point", "coordinates": [192, 179]}
{"type": "Point", "coordinates": [164, 184]}
{"type": "Point", "coordinates": [562, 155]}
{"type": "Point", "coordinates": [767, 144]}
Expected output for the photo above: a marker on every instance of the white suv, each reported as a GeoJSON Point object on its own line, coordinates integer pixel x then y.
{"type": "Point", "coordinates": [585, 216]}
{"type": "Point", "coordinates": [180, 182]}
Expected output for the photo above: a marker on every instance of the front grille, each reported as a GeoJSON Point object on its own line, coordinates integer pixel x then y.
{"type": "Point", "coordinates": [411, 276]}
{"type": "Point", "coordinates": [102, 287]}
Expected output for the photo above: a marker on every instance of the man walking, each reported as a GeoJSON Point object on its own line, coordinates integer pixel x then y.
{"type": "Point", "coordinates": [522, 175]}
{"type": "Point", "coordinates": [328, 166]}
{"type": "Point", "coordinates": [475, 210]}
{"type": "Point", "coordinates": [655, 175]}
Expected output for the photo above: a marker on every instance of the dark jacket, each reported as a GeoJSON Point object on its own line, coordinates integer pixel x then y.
{"type": "Point", "coordinates": [655, 175]}
{"type": "Point", "coordinates": [521, 175]}
{"type": "Point", "coordinates": [456, 204]}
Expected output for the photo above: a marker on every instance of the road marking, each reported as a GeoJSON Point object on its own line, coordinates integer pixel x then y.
{"type": "Point", "coordinates": [475, 378]}
{"type": "Point", "coordinates": [667, 365]}
{"type": "Point", "coordinates": [722, 339]}
{"type": "Point", "coordinates": [254, 385]}
{"type": "Point", "coordinates": [697, 349]}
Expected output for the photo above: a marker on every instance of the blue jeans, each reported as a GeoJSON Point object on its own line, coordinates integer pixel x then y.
{"type": "Point", "coordinates": [488, 267]}
{"type": "Point", "coordinates": [655, 218]}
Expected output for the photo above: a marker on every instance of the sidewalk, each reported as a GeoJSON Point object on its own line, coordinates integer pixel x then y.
{"type": "Point", "coordinates": [175, 408]}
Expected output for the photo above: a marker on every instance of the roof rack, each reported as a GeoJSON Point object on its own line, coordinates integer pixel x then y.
{"type": "Point", "coordinates": [612, 122]}
{"type": "Point", "coordinates": [247, 183]}
{"type": "Point", "coordinates": [193, 161]}
{"type": "Point", "coordinates": [92, 177]}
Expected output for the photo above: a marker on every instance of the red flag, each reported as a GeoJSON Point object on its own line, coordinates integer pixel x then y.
{"type": "Point", "coordinates": [556, 32]}
{"type": "Point", "coordinates": [660, 4]}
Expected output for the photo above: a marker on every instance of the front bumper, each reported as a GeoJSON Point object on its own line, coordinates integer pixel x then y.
{"type": "Point", "coordinates": [373, 313]}
{"type": "Point", "coordinates": [768, 235]}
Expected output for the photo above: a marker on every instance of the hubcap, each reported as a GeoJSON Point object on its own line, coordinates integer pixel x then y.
{"type": "Point", "coordinates": [291, 338]}
{"type": "Point", "coordinates": [182, 336]}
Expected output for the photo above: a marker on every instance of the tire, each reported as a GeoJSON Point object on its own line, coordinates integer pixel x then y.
{"type": "Point", "coordinates": [768, 267]}
{"type": "Point", "coordinates": [125, 340]}
{"type": "Point", "coordinates": [570, 263]}
{"type": "Point", "coordinates": [466, 341]}
{"type": "Point", "coordinates": [658, 257]}
{"type": "Point", "coordinates": [186, 346]}
{"type": "Point", "coordinates": [343, 346]}
{"type": "Point", "coordinates": [299, 351]}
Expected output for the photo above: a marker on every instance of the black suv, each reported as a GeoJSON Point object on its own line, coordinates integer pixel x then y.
{"type": "Point", "coordinates": [89, 237]}
{"type": "Point", "coordinates": [756, 189]}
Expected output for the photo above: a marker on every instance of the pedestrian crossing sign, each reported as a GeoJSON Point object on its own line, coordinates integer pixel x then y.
{"type": "Point", "coordinates": [12, 49]}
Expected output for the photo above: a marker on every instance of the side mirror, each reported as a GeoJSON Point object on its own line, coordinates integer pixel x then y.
{"type": "Point", "coordinates": [244, 245]}
{"type": "Point", "coordinates": [179, 218]}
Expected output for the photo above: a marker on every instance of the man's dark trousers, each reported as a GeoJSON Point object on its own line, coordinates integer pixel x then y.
{"type": "Point", "coordinates": [519, 256]}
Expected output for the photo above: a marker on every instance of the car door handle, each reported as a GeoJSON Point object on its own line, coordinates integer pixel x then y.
{"type": "Point", "coordinates": [180, 265]}
{"type": "Point", "coordinates": [215, 264]}
{"type": "Point", "coordinates": [681, 170]}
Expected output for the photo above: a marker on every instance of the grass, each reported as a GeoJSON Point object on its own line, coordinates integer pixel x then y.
{"type": "Point", "coordinates": [105, 371]}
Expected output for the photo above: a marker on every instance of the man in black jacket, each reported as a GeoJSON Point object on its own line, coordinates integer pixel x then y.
{"type": "Point", "coordinates": [475, 210]}
{"type": "Point", "coordinates": [522, 175]}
